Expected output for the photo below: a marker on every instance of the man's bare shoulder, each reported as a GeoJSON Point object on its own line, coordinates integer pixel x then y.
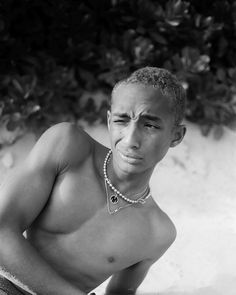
{"type": "Point", "coordinates": [163, 230]}
{"type": "Point", "coordinates": [69, 143]}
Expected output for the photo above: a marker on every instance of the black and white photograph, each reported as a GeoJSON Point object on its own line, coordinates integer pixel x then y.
{"type": "Point", "coordinates": [117, 147]}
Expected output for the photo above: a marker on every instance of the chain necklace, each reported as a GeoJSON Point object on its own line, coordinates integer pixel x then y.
{"type": "Point", "coordinates": [112, 202]}
{"type": "Point", "coordinates": [114, 197]}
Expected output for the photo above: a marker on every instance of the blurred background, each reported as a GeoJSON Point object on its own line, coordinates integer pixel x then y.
{"type": "Point", "coordinates": [59, 61]}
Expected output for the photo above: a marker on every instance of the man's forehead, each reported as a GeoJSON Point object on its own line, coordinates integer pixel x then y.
{"type": "Point", "coordinates": [130, 88]}
{"type": "Point", "coordinates": [138, 93]}
{"type": "Point", "coordinates": [132, 110]}
{"type": "Point", "coordinates": [139, 97]}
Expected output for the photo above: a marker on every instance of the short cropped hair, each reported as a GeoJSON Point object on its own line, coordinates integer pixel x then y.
{"type": "Point", "coordinates": [164, 81]}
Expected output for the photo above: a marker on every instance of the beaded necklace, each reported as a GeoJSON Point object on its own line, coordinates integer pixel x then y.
{"type": "Point", "coordinates": [145, 194]}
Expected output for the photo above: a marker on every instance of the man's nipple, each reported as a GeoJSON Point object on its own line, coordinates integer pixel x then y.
{"type": "Point", "coordinates": [111, 259]}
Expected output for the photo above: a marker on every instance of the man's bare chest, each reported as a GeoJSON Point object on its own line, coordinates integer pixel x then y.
{"type": "Point", "coordinates": [77, 231]}
{"type": "Point", "coordinates": [102, 246]}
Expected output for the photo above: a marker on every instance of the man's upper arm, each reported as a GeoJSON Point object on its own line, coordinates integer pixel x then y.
{"type": "Point", "coordinates": [25, 192]}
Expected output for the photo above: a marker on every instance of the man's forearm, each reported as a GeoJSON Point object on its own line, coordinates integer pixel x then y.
{"type": "Point", "coordinates": [23, 266]}
{"type": "Point", "coordinates": [121, 293]}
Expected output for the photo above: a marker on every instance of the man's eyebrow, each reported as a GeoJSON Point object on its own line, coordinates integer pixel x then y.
{"type": "Point", "coordinates": [151, 117]}
{"type": "Point", "coordinates": [121, 115]}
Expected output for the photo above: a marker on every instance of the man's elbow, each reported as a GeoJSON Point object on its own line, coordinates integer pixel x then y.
{"type": "Point", "coordinates": [173, 234]}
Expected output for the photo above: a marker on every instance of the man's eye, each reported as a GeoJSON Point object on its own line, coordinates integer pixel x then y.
{"type": "Point", "coordinates": [119, 121]}
{"type": "Point", "coordinates": [151, 126]}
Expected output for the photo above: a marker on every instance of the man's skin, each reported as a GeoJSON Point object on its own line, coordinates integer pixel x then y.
{"type": "Point", "coordinates": [58, 197]}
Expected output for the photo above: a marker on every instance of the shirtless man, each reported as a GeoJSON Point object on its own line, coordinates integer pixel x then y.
{"type": "Point", "coordinates": [88, 214]}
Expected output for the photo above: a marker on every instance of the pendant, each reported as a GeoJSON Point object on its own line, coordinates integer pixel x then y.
{"type": "Point", "coordinates": [115, 210]}
{"type": "Point", "coordinates": [142, 201]}
{"type": "Point", "coordinates": [114, 199]}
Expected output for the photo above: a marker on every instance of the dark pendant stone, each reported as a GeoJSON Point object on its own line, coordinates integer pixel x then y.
{"type": "Point", "coordinates": [114, 199]}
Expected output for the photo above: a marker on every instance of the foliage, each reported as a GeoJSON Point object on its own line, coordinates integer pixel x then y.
{"type": "Point", "coordinates": [51, 52]}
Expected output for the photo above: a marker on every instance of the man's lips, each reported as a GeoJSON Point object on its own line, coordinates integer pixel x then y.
{"type": "Point", "coordinates": [131, 157]}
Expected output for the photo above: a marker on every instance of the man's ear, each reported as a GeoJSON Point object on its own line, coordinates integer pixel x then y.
{"type": "Point", "coordinates": [179, 132]}
{"type": "Point", "coordinates": [108, 119]}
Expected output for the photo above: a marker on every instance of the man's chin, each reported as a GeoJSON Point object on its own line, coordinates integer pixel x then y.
{"type": "Point", "coordinates": [130, 168]}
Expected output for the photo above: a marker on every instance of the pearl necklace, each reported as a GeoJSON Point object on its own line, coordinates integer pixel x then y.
{"type": "Point", "coordinates": [145, 194]}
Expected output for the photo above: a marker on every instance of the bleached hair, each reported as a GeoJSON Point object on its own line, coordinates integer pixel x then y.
{"type": "Point", "coordinates": [163, 80]}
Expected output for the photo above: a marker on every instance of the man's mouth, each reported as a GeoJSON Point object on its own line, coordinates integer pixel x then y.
{"type": "Point", "coordinates": [130, 157]}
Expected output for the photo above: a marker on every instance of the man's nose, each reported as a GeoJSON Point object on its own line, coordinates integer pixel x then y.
{"type": "Point", "coordinates": [132, 136]}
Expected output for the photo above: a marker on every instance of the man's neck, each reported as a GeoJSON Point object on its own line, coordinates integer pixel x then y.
{"type": "Point", "coordinates": [128, 184]}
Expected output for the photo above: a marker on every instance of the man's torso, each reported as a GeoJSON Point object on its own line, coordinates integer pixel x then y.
{"type": "Point", "coordinates": [78, 237]}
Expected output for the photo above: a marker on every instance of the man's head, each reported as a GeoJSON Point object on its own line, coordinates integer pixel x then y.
{"type": "Point", "coordinates": [164, 81]}
{"type": "Point", "coordinates": [145, 119]}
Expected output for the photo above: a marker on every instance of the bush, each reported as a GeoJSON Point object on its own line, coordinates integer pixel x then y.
{"type": "Point", "coordinates": [52, 52]}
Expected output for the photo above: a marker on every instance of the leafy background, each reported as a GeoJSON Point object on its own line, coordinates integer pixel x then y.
{"type": "Point", "coordinates": [60, 59]}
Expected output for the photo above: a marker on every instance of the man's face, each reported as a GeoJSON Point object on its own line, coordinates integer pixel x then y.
{"type": "Point", "coordinates": [141, 127]}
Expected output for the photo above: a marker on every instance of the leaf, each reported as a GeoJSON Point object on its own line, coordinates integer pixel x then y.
{"type": "Point", "coordinates": [209, 112]}
{"type": "Point", "coordinates": [218, 132]}
{"type": "Point", "coordinates": [17, 86]}
{"type": "Point", "coordinates": [158, 38]}
{"type": "Point", "coordinates": [198, 19]}
{"type": "Point", "coordinates": [232, 73]}
{"type": "Point", "coordinates": [177, 61]}
{"type": "Point", "coordinates": [221, 74]}
{"type": "Point", "coordinates": [205, 129]}
{"type": "Point", "coordinates": [173, 22]}
{"type": "Point", "coordinates": [232, 123]}
{"type": "Point", "coordinates": [180, 7]}
{"type": "Point", "coordinates": [202, 64]}
{"type": "Point", "coordinates": [208, 21]}
{"type": "Point", "coordinates": [53, 51]}
{"type": "Point", "coordinates": [12, 125]}
{"type": "Point", "coordinates": [2, 104]}
{"type": "Point", "coordinates": [222, 45]}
